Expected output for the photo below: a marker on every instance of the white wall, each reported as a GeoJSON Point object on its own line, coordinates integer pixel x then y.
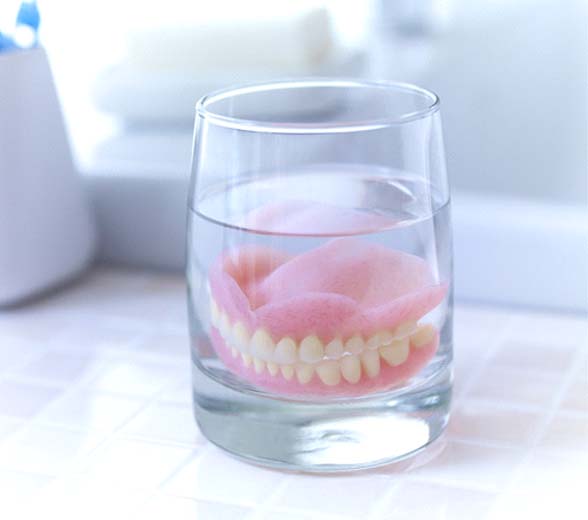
{"type": "Point", "coordinates": [512, 79]}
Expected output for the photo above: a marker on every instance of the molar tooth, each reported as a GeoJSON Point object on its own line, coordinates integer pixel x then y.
{"type": "Point", "coordinates": [311, 349]}
{"type": "Point", "coordinates": [329, 373]}
{"type": "Point", "coordinates": [246, 358]}
{"type": "Point", "coordinates": [405, 329]}
{"type": "Point", "coordinates": [259, 365]}
{"type": "Point", "coordinates": [423, 336]}
{"type": "Point", "coordinates": [351, 369]}
{"type": "Point", "coordinates": [370, 359]}
{"type": "Point", "coordinates": [287, 372]}
{"type": "Point", "coordinates": [396, 352]}
{"type": "Point", "coordinates": [334, 349]}
{"type": "Point", "coordinates": [355, 344]}
{"type": "Point", "coordinates": [272, 368]}
{"type": "Point", "coordinates": [262, 345]}
{"type": "Point", "coordinates": [304, 373]}
{"type": "Point", "coordinates": [240, 336]}
{"type": "Point", "coordinates": [285, 352]}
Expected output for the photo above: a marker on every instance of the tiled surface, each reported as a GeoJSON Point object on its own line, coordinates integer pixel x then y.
{"type": "Point", "coordinates": [213, 476]}
{"type": "Point", "coordinates": [135, 464]}
{"type": "Point", "coordinates": [96, 420]}
{"type": "Point", "coordinates": [435, 502]}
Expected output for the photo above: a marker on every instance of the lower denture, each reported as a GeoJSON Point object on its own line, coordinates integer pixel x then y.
{"type": "Point", "coordinates": [342, 319]}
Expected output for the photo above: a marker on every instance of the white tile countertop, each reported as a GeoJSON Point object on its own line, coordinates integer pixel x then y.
{"type": "Point", "coordinates": [96, 420]}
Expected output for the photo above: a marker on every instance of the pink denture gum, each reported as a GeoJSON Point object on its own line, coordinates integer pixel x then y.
{"type": "Point", "coordinates": [341, 319]}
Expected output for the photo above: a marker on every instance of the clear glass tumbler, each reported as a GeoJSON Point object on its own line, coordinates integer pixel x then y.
{"type": "Point", "coordinates": [320, 273]}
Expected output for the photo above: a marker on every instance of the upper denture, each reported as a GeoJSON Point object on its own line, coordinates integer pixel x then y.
{"type": "Point", "coordinates": [344, 288]}
{"type": "Point", "coordinates": [342, 318]}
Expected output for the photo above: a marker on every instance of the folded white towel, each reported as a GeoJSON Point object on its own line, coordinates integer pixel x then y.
{"type": "Point", "coordinates": [292, 37]}
{"type": "Point", "coordinates": [150, 96]}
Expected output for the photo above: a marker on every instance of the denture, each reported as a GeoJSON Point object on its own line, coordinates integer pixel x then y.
{"type": "Point", "coordinates": [346, 318]}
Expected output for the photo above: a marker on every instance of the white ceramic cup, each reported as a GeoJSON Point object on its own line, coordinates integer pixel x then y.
{"type": "Point", "coordinates": [47, 233]}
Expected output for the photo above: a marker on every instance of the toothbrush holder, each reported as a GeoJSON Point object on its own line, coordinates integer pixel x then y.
{"type": "Point", "coordinates": [47, 233]}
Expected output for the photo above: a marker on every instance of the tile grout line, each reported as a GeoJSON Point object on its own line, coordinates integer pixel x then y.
{"type": "Point", "coordinates": [547, 419]}
{"type": "Point", "coordinates": [73, 387]}
{"type": "Point", "coordinates": [115, 431]}
{"type": "Point", "coordinates": [497, 341]}
{"type": "Point", "coordinates": [266, 506]}
{"type": "Point", "coordinates": [494, 403]}
{"type": "Point", "coordinates": [196, 455]}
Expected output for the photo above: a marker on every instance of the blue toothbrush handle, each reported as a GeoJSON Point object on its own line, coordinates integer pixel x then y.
{"type": "Point", "coordinates": [28, 14]}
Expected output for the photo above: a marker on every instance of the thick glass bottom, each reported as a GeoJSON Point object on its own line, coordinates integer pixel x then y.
{"type": "Point", "coordinates": [331, 436]}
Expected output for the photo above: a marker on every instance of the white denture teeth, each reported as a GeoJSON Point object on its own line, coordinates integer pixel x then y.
{"type": "Point", "coordinates": [374, 342]}
{"type": "Point", "coordinates": [383, 337]}
{"type": "Point", "coordinates": [405, 329]}
{"type": "Point", "coordinates": [329, 373]}
{"type": "Point", "coordinates": [214, 314]}
{"type": "Point", "coordinates": [304, 373]}
{"type": "Point", "coordinates": [351, 369]}
{"type": "Point", "coordinates": [423, 336]}
{"type": "Point", "coordinates": [287, 371]}
{"type": "Point", "coordinates": [355, 344]}
{"type": "Point", "coordinates": [240, 337]}
{"type": "Point", "coordinates": [337, 360]}
{"type": "Point", "coordinates": [247, 359]}
{"type": "Point", "coordinates": [311, 350]}
{"type": "Point", "coordinates": [285, 352]}
{"type": "Point", "coordinates": [370, 360]}
{"type": "Point", "coordinates": [259, 365]}
{"type": "Point", "coordinates": [334, 349]}
{"type": "Point", "coordinates": [396, 352]}
{"type": "Point", "coordinates": [224, 324]}
{"type": "Point", "coordinates": [261, 345]}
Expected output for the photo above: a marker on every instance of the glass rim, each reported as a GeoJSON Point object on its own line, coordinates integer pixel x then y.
{"type": "Point", "coordinates": [325, 127]}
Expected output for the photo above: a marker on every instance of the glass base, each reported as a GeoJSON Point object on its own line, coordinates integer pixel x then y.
{"type": "Point", "coordinates": [343, 435]}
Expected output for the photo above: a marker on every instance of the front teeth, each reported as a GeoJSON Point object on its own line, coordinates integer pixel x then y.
{"type": "Point", "coordinates": [304, 373]}
{"type": "Point", "coordinates": [285, 352]}
{"type": "Point", "coordinates": [311, 350]}
{"type": "Point", "coordinates": [332, 362]}
{"type": "Point", "coordinates": [370, 360]}
{"type": "Point", "coordinates": [334, 349]}
{"type": "Point", "coordinates": [351, 369]}
{"type": "Point", "coordinates": [355, 344]}
{"type": "Point", "coordinates": [287, 371]}
{"type": "Point", "coordinates": [262, 345]}
{"type": "Point", "coordinates": [329, 373]}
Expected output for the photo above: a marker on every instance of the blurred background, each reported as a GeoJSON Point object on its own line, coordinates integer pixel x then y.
{"type": "Point", "coordinates": [511, 77]}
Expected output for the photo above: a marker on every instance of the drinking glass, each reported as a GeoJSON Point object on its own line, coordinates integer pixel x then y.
{"type": "Point", "coordinates": [319, 268]}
